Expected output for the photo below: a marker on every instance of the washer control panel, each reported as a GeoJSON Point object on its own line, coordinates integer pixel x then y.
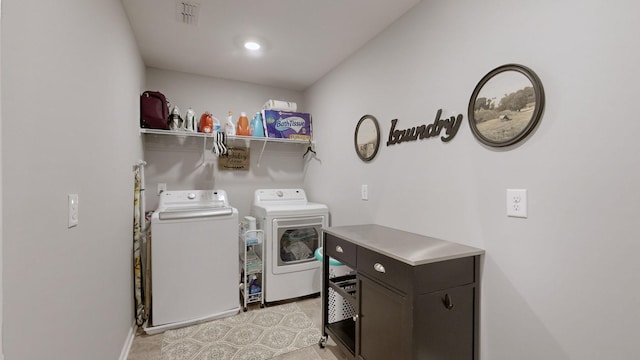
{"type": "Point", "coordinates": [189, 198]}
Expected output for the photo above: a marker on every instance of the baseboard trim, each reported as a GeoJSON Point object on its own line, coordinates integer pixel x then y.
{"type": "Point", "coordinates": [128, 342]}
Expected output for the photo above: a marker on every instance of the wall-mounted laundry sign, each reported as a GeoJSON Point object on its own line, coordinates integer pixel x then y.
{"type": "Point", "coordinates": [236, 159]}
{"type": "Point", "coordinates": [449, 125]}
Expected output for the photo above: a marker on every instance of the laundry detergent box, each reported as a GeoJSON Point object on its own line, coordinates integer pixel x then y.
{"type": "Point", "coordinates": [287, 124]}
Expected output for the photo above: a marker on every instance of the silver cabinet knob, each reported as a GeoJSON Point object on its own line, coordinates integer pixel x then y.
{"type": "Point", "coordinates": [379, 267]}
{"type": "Point", "coordinates": [339, 249]}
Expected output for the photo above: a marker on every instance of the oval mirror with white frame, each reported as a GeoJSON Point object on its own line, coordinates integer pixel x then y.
{"type": "Point", "coordinates": [367, 138]}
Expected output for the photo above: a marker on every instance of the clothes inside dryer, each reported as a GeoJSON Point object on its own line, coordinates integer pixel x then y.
{"type": "Point", "coordinates": [298, 245]}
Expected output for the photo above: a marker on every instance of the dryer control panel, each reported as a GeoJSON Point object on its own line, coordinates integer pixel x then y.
{"type": "Point", "coordinates": [280, 196]}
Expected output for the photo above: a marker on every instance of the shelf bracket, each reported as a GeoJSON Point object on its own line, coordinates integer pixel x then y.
{"type": "Point", "coordinates": [204, 151]}
{"type": "Point", "coordinates": [264, 144]}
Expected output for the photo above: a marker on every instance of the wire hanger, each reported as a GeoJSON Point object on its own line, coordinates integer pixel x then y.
{"type": "Point", "coordinates": [309, 149]}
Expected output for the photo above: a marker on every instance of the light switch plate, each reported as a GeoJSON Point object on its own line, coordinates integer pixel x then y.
{"type": "Point", "coordinates": [365, 192]}
{"type": "Point", "coordinates": [517, 203]}
{"type": "Point", "coordinates": [73, 210]}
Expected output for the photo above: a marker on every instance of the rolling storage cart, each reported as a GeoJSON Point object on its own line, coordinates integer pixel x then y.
{"type": "Point", "coordinates": [251, 267]}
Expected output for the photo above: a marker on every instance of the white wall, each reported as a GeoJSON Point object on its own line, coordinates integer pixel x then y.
{"type": "Point", "coordinates": [71, 79]}
{"type": "Point", "coordinates": [1, 217]}
{"type": "Point", "coordinates": [178, 162]}
{"type": "Point", "coordinates": [564, 283]}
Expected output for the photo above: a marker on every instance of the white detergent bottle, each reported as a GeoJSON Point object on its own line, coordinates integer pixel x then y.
{"type": "Point", "coordinates": [190, 123]}
{"type": "Point", "coordinates": [230, 127]}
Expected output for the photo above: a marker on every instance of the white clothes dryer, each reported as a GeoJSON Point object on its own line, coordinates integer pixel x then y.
{"type": "Point", "coordinates": [292, 226]}
{"type": "Point", "coordinates": [194, 259]}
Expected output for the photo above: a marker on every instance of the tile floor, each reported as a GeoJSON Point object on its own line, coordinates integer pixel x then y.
{"type": "Point", "coordinates": [147, 347]}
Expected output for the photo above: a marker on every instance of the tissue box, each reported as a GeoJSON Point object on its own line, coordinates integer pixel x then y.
{"type": "Point", "coordinates": [287, 124]}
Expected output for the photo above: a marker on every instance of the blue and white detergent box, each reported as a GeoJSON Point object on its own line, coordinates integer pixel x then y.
{"type": "Point", "coordinates": [287, 124]}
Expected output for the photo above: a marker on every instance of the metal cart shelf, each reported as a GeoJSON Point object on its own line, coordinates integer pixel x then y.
{"type": "Point", "coordinates": [251, 267]}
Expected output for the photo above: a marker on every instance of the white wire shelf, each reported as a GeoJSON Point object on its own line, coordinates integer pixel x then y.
{"type": "Point", "coordinates": [234, 137]}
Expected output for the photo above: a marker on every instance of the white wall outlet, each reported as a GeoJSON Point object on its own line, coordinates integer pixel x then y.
{"type": "Point", "coordinates": [72, 210]}
{"type": "Point", "coordinates": [162, 187]}
{"type": "Point", "coordinates": [365, 192]}
{"type": "Point", "coordinates": [517, 203]}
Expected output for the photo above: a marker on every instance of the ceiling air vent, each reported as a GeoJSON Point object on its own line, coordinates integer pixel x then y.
{"type": "Point", "coordinates": [187, 12]}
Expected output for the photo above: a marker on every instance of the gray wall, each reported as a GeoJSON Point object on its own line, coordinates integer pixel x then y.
{"type": "Point", "coordinates": [1, 203]}
{"type": "Point", "coordinates": [178, 162]}
{"type": "Point", "coordinates": [564, 283]}
{"type": "Point", "coordinates": [71, 75]}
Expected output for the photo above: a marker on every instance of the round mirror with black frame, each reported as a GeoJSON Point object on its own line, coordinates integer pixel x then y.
{"type": "Point", "coordinates": [367, 138]}
{"type": "Point", "coordinates": [506, 105]}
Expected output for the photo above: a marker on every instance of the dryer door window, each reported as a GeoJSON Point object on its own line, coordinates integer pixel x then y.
{"type": "Point", "coordinates": [298, 245]}
{"type": "Point", "coordinates": [296, 241]}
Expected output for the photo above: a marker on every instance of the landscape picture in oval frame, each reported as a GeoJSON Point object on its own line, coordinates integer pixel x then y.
{"type": "Point", "coordinates": [506, 105]}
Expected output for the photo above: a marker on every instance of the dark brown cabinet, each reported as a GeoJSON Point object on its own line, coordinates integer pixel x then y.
{"type": "Point", "coordinates": [382, 322]}
{"type": "Point", "coordinates": [454, 335]}
{"type": "Point", "coordinates": [406, 307]}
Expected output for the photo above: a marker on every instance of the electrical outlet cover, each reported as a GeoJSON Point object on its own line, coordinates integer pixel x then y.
{"type": "Point", "coordinates": [517, 203]}
{"type": "Point", "coordinates": [72, 210]}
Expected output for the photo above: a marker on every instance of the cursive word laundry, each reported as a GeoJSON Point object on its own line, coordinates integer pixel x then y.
{"type": "Point", "coordinates": [450, 125]}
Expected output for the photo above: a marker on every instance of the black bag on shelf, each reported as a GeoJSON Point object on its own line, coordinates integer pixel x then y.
{"type": "Point", "coordinates": [154, 110]}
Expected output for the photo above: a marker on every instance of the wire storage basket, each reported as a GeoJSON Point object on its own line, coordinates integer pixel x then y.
{"type": "Point", "coordinates": [338, 307]}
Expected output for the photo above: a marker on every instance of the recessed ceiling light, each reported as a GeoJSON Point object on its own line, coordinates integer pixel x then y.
{"type": "Point", "coordinates": [252, 45]}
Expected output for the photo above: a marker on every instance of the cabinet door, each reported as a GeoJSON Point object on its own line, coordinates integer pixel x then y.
{"type": "Point", "coordinates": [383, 324]}
{"type": "Point", "coordinates": [445, 324]}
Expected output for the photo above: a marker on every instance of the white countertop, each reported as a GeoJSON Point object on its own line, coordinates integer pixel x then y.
{"type": "Point", "coordinates": [410, 248]}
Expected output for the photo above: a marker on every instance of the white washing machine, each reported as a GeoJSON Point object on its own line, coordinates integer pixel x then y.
{"type": "Point", "coordinates": [292, 227]}
{"type": "Point", "coordinates": [194, 259]}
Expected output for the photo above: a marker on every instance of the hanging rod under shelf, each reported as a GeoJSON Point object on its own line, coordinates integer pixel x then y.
{"type": "Point", "coordinates": [205, 135]}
